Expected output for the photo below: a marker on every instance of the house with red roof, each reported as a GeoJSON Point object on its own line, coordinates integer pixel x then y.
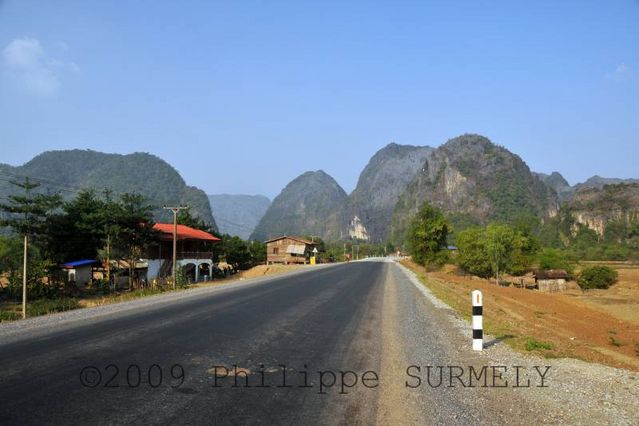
{"type": "Point", "coordinates": [193, 252]}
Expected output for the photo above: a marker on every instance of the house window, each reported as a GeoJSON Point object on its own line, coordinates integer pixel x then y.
{"type": "Point", "coordinates": [276, 250]}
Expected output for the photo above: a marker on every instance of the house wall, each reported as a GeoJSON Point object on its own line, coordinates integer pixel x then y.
{"type": "Point", "coordinates": [156, 264]}
{"type": "Point", "coordinates": [81, 275]}
{"type": "Point", "coordinates": [552, 285]}
{"type": "Point", "coordinates": [154, 268]}
{"type": "Point", "coordinates": [281, 256]}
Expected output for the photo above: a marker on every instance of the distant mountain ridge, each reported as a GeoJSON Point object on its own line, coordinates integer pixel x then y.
{"type": "Point", "coordinates": [237, 214]}
{"type": "Point", "coordinates": [565, 192]}
{"type": "Point", "coordinates": [471, 179]}
{"type": "Point", "coordinates": [69, 171]}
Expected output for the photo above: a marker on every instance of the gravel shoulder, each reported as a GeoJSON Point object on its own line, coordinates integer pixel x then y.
{"type": "Point", "coordinates": [577, 392]}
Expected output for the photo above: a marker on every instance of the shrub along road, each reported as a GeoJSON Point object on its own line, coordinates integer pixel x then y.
{"type": "Point", "coordinates": [343, 344]}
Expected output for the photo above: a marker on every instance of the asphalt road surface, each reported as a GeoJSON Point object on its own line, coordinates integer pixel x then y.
{"type": "Point", "coordinates": [329, 345]}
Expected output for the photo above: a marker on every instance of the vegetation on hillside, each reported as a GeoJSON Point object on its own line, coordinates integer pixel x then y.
{"type": "Point", "coordinates": [427, 237]}
{"type": "Point", "coordinates": [69, 172]}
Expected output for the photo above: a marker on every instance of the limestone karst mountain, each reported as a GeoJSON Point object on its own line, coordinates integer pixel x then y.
{"type": "Point", "coordinates": [69, 171]}
{"type": "Point", "coordinates": [309, 205]}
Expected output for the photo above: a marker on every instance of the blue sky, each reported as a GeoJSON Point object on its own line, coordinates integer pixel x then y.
{"type": "Point", "coordinates": [243, 96]}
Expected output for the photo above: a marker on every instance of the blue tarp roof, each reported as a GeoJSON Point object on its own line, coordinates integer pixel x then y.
{"type": "Point", "coordinates": [78, 263]}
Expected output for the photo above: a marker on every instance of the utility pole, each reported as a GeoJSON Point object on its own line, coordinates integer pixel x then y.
{"type": "Point", "coordinates": [344, 252]}
{"type": "Point", "coordinates": [175, 211]}
{"type": "Point", "coordinates": [108, 253]}
{"type": "Point", "coordinates": [24, 279]}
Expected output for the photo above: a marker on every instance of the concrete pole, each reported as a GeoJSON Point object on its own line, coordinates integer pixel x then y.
{"type": "Point", "coordinates": [478, 322]}
{"type": "Point", "coordinates": [175, 211]}
{"type": "Point", "coordinates": [24, 279]}
{"type": "Point", "coordinates": [174, 248]}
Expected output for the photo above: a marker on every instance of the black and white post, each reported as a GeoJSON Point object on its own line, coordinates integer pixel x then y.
{"type": "Point", "coordinates": [478, 322]}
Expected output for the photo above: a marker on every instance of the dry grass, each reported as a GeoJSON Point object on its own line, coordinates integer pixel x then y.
{"type": "Point", "coordinates": [589, 326]}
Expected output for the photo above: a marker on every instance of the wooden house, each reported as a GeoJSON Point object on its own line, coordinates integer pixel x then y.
{"type": "Point", "coordinates": [288, 250]}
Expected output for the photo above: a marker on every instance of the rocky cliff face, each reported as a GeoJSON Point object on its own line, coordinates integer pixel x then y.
{"type": "Point", "coordinates": [598, 207]}
{"type": "Point", "coordinates": [311, 204]}
{"type": "Point", "coordinates": [69, 171]}
{"type": "Point", "coordinates": [237, 214]}
{"type": "Point", "coordinates": [380, 184]}
{"type": "Point", "coordinates": [470, 175]}
{"type": "Point", "coordinates": [558, 183]}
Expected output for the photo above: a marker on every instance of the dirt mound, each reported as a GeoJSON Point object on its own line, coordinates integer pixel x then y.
{"type": "Point", "coordinates": [261, 270]}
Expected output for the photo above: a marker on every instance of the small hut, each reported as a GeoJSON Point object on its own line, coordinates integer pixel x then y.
{"type": "Point", "coordinates": [289, 250]}
{"type": "Point", "coordinates": [552, 280]}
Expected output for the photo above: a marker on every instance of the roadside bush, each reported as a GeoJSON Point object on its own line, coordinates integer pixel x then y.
{"type": "Point", "coordinates": [533, 344]}
{"type": "Point", "coordinates": [9, 316]}
{"type": "Point", "coordinates": [102, 286]}
{"type": "Point", "coordinates": [601, 277]}
{"type": "Point", "coordinates": [49, 306]}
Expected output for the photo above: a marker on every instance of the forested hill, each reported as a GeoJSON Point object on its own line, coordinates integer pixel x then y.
{"type": "Point", "coordinates": [69, 171]}
{"type": "Point", "coordinates": [473, 180]}
{"type": "Point", "coordinates": [311, 204]}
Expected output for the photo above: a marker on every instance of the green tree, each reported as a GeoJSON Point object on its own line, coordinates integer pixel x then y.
{"type": "Point", "coordinates": [79, 230]}
{"type": "Point", "coordinates": [11, 262]}
{"type": "Point", "coordinates": [495, 250]}
{"type": "Point", "coordinates": [133, 229]}
{"type": "Point", "coordinates": [236, 252]}
{"type": "Point", "coordinates": [507, 250]}
{"type": "Point", "coordinates": [551, 258]}
{"type": "Point", "coordinates": [27, 215]}
{"type": "Point", "coordinates": [427, 235]}
{"type": "Point", "coordinates": [472, 254]}
{"type": "Point", "coordinates": [186, 217]}
{"type": "Point", "coordinates": [257, 249]}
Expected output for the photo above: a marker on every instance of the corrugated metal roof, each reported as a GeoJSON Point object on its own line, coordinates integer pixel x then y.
{"type": "Point", "coordinates": [296, 249]}
{"type": "Point", "coordinates": [183, 232]}
{"type": "Point", "coordinates": [301, 240]}
{"type": "Point", "coordinates": [79, 263]}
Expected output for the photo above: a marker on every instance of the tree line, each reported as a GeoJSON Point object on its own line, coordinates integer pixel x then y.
{"type": "Point", "coordinates": [91, 225]}
{"type": "Point", "coordinates": [496, 249]}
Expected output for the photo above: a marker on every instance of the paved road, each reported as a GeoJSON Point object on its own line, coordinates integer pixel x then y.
{"type": "Point", "coordinates": [159, 363]}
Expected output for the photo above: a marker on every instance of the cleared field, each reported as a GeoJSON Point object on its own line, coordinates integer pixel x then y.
{"type": "Point", "coordinates": [600, 325]}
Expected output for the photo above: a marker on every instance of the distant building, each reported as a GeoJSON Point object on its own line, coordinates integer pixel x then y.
{"type": "Point", "coordinates": [79, 272]}
{"type": "Point", "coordinates": [192, 253]}
{"type": "Point", "coordinates": [552, 280]}
{"type": "Point", "coordinates": [287, 250]}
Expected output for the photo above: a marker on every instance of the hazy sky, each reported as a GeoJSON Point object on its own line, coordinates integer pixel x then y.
{"type": "Point", "coordinates": [242, 96]}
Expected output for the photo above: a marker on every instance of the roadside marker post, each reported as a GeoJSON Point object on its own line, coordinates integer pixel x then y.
{"type": "Point", "coordinates": [478, 322]}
